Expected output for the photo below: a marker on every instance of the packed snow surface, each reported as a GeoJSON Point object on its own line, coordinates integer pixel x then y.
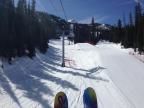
{"type": "Point", "coordinates": [116, 76]}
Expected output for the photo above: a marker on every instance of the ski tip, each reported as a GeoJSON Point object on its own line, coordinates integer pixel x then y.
{"type": "Point", "coordinates": [89, 98]}
{"type": "Point", "coordinates": [61, 100]}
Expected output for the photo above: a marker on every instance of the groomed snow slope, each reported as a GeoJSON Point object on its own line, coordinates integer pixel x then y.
{"type": "Point", "coordinates": [116, 77]}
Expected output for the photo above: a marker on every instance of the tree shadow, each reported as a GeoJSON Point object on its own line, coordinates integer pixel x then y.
{"type": "Point", "coordinates": [27, 76]}
{"type": "Point", "coordinates": [89, 73]}
{"type": "Point", "coordinates": [37, 72]}
{"type": "Point", "coordinates": [85, 74]}
{"type": "Point", "coordinates": [51, 65]}
{"type": "Point", "coordinates": [4, 83]}
{"type": "Point", "coordinates": [96, 70]}
{"type": "Point", "coordinates": [32, 87]}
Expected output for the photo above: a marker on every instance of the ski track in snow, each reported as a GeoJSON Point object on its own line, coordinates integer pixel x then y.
{"type": "Point", "coordinates": [116, 76]}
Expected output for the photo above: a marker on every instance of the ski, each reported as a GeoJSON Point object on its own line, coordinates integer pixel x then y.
{"type": "Point", "coordinates": [89, 98]}
{"type": "Point", "coordinates": [61, 100]}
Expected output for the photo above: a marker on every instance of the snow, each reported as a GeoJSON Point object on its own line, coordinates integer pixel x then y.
{"type": "Point", "coordinates": [103, 27]}
{"type": "Point", "coordinates": [116, 76]}
{"type": "Point", "coordinates": [136, 54]}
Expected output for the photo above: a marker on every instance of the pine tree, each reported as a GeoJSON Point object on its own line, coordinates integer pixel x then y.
{"type": "Point", "coordinates": [125, 32]}
{"type": "Point", "coordinates": [138, 28]}
{"type": "Point", "coordinates": [33, 7]}
{"type": "Point", "coordinates": [131, 31]}
{"type": "Point", "coordinates": [93, 38]}
{"type": "Point", "coordinates": [119, 31]}
{"type": "Point", "coordinates": [21, 27]}
{"type": "Point", "coordinates": [130, 19]}
{"type": "Point", "coordinates": [4, 26]}
{"type": "Point", "coordinates": [31, 29]}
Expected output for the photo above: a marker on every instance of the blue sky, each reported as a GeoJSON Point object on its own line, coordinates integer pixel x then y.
{"type": "Point", "coordinates": [104, 11]}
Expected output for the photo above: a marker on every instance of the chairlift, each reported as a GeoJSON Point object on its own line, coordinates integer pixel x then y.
{"type": "Point", "coordinates": [66, 33]}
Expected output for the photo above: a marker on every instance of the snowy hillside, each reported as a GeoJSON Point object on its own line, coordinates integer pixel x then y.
{"type": "Point", "coordinates": [116, 76]}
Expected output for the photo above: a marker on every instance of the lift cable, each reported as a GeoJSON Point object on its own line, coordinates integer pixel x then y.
{"type": "Point", "coordinates": [63, 10]}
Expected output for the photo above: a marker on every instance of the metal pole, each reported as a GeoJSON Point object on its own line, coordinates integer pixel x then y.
{"type": "Point", "coordinates": [63, 51]}
{"type": "Point", "coordinates": [63, 48]}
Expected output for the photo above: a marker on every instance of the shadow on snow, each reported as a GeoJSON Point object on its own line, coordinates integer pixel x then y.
{"type": "Point", "coordinates": [26, 75]}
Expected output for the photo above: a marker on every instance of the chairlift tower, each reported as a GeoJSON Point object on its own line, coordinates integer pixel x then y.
{"type": "Point", "coordinates": [63, 49]}
{"type": "Point", "coordinates": [63, 36]}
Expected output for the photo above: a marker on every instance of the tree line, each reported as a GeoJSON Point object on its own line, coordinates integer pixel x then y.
{"type": "Point", "coordinates": [130, 35]}
{"type": "Point", "coordinates": [23, 29]}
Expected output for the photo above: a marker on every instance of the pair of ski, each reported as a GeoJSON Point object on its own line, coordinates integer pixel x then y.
{"type": "Point", "coordinates": [89, 99]}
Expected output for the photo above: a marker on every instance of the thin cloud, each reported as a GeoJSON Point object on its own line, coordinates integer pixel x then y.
{"type": "Point", "coordinates": [138, 1]}
{"type": "Point", "coordinates": [128, 2]}
{"type": "Point", "coordinates": [98, 19]}
{"type": "Point", "coordinates": [102, 19]}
